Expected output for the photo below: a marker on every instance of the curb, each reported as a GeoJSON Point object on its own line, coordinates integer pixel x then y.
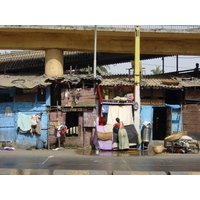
{"type": "Point", "coordinates": [24, 172]}
{"type": "Point", "coordinates": [184, 173]}
{"type": "Point", "coordinates": [80, 172]}
{"type": "Point", "coordinates": [4, 171]}
{"type": "Point", "coordinates": [139, 173]}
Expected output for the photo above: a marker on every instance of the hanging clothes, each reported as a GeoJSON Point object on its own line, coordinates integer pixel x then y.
{"type": "Point", "coordinates": [24, 122]}
{"type": "Point", "coordinates": [61, 130]}
{"type": "Point", "coordinates": [36, 124]}
{"type": "Point", "coordinates": [60, 133]}
{"type": "Point", "coordinates": [104, 109]}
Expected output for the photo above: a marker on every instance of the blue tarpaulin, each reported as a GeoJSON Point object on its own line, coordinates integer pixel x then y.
{"type": "Point", "coordinates": [173, 106]}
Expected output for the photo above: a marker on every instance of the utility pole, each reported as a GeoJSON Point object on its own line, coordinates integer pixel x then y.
{"type": "Point", "coordinates": [177, 63]}
{"type": "Point", "coordinates": [137, 79]}
{"type": "Point", "coordinates": [163, 65]}
{"type": "Point", "coordinates": [95, 51]}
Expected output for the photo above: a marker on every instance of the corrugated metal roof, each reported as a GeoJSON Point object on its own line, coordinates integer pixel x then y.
{"type": "Point", "coordinates": [30, 81]}
{"type": "Point", "coordinates": [162, 81]}
{"type": "Point", "coordinates": [30, 61]}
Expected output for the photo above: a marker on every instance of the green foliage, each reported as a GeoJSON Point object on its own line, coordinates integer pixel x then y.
{"type": "Point", "coordinates": [157, 70]}
{"type": "Point", "coordinates": [101, 70]}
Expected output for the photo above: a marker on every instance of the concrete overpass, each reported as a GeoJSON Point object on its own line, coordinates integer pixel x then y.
{"type": "Point", "coordinates": [55, 39]}
{"type": "Point", "coordinates": [109, 39]}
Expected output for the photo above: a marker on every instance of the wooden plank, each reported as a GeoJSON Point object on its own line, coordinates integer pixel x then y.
{"type": "Point", "coordinates": [25, 98]}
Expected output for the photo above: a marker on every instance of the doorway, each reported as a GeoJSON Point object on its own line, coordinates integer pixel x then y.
{"type": "Point", "coordinates": [72, 123]}
{"type": "Point", "coordinates": [159, 123]}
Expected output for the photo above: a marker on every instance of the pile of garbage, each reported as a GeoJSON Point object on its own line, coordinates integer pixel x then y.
{"type": "Point", "coordinates": [178, 142]}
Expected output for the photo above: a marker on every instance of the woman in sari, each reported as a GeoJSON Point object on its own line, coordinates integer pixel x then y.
{"type": "Point", "coordinates": [122, 135]}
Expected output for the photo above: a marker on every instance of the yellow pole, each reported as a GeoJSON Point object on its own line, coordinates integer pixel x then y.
{"type": "Point", "coordinates": [137, 56]}
{"type": "Point", "coordinates": [137, 81]}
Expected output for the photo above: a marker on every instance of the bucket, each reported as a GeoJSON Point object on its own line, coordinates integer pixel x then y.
{"type": "Point", "coordinates": [40, 144]}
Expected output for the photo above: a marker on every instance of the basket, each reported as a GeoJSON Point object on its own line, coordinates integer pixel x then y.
{"type": "Point", "coordinates": [174, 137]}
{"type": "Point", "coordinates": [158, 149]}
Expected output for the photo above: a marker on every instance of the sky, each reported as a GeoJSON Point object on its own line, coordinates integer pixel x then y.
{"type": "Point", "coordinates": [184, 63]}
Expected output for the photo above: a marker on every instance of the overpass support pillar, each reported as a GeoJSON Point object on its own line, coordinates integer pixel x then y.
{"type": "Point", "coordinates": [54, 62]}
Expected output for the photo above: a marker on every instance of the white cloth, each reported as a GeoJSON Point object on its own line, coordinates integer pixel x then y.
{"type": "Point", "coordinates": [124, 113]}
{"type": "Point", "coordinates": [24, 122]}
{"type": "Point", "coordinates": [185, 137]}
{"type": "Point", "coordinates": [108, 128]}
{"type": "Point", "coordinates": [145, 123]}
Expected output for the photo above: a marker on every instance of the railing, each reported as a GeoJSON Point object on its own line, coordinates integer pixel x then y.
{"type": "Point", "coordinates": [144, 26]}
{"type": "Point", "coordinates": [89, 27]}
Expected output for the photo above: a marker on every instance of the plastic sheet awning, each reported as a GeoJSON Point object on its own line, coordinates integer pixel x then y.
{"type": "Point", "coordinates": [173, 106]}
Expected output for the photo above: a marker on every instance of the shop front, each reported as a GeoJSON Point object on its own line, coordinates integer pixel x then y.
{"type": "Point", "coordinates": [115, 101]}
{"type": "Point", "coordinates": [75, 107]}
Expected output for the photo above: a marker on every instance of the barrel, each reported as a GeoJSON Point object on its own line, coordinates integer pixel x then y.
{"type": "Point", "coordinates": [146, 133]}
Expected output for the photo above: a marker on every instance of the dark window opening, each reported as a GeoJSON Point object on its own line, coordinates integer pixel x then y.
{"type": "Point", "coordinates": [72, 124]}
{"type": "Point", "coordinates": [55, 94]}
{"type": "Point", "coordinates": [41, 94]}
{"type": "Point", "coordinates": [6, 98]}
{"type": "Point", "coordinates": [173, 96]}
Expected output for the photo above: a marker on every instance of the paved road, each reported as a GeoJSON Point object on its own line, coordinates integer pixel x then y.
{"type": "Point", "coordinates": [73, 159]}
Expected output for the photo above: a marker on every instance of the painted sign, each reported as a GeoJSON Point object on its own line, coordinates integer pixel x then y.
{"type": "Point", "coordinates": [89, 118]}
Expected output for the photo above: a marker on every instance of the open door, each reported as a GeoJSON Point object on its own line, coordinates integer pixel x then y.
{"type": "Point", "coordinates": [159, 123]}
{"type": "Point", "coordinates": [162, 122]}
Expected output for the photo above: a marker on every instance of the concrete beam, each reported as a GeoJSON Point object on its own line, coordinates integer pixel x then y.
{"type": "Point", "coordinates": [111, 41]}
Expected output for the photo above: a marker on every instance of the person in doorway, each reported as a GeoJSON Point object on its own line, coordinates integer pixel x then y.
{"type": "Point", "coordinates": [122, 135]}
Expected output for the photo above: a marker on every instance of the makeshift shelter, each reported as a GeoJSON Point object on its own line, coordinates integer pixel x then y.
{"type": "Point", "coordinates": [116, 99]}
